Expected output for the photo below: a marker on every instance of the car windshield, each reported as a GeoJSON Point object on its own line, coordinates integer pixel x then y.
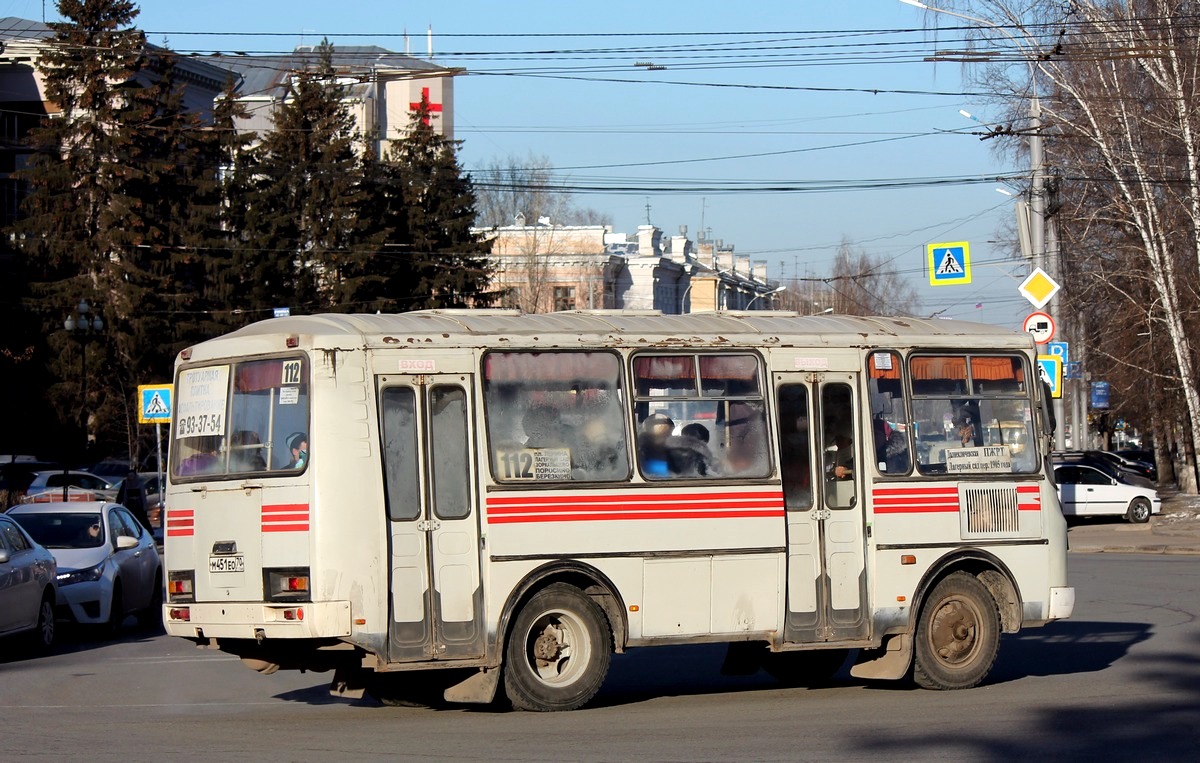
{"type": "Point", "coordinates": [76, 530]}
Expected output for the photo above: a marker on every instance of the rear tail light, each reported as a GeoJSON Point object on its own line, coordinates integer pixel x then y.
{"type": "Point", "coordinates": [183, 614]}
{"type": "Point", "coordinates": [287, 584]}
{"type": "Point", "coordinates": [181, 586]}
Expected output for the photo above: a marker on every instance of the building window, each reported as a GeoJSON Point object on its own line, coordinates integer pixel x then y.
{"type": "Point", "coordinates": [564, 298]}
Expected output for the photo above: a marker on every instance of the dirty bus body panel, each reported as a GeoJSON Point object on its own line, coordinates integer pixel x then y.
{"type": "Point", "coordinates": [520, 495]}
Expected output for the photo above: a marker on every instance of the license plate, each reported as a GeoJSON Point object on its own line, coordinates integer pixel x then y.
{"type": "Point", "coordinates": [227, 563]}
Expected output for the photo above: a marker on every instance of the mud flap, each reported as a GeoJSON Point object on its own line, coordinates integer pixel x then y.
{"type": "Point", "coordinates": [349, 682]}
{"type": "Point", "coordinates": [887, 662]}
{"type": "Point", "coordinates": [478, 689]}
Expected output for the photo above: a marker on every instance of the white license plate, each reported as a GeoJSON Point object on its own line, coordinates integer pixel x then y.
{"type": "Point", "coordinates": [227, 563]}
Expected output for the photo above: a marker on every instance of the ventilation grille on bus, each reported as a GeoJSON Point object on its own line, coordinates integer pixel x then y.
{"type": "Point", "coordinates": [991, 509]}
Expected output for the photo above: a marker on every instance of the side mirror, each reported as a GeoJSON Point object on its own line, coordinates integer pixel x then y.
{"type": "Point", "coordinates": [3, 556]}
{"type": "Point", "coordinates": [126, 541]}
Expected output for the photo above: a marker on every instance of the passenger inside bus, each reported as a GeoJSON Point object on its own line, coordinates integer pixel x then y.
{"type": "Point", "coordinates": [652, 445]}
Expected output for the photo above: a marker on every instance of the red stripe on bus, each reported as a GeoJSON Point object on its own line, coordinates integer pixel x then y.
{"type": "Point", "coordinates": [276, 518]}
{"type": "Point", "coordinates": [181, 523]}
{"type": "Point", "coordinates": [181, 532]}
{"type": "Point", "coordinates": [916, 508]}
{"type": "Point", "coordinates": [622, 515]}
{"type": "Point", "coordinates": [284, 507]}
{"type": "Point", "coordinates": [773, 503]}
{"type": "Point", "coordinates": [180, 513]}
{"type": "Point", "coordinates": [284, 528]}
{"type": "Point", "coordinates": [626, 497]}
{"type": "Point", "coordinates": [888, 501]}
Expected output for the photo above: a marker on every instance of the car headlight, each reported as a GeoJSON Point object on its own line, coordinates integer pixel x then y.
{"type": "Point", "coordinates": [85, 575]}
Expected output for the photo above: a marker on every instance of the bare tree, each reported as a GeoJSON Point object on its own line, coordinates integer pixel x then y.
{"type": "Point", "coordinates": [863, 285]}
{"type": "Point", "coordinates": [1118, 82]}
{"type": "Point", "coordinates": [527, 187]}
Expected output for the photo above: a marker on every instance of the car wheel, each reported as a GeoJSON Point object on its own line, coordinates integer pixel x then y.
{"type": "Point", "coordinates": [151, 616]}
{"type": "Point", "coordinates": [1139, 511]}
{"type": "Point", "coordinates": [42, 637]}
{"type": "Point", "coordinates": [558, 651]}
{"type": "Point", "coordinates": [958, 634]}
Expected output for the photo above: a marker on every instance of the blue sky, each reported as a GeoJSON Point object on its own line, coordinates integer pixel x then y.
{"type": "Point", "coordinates": [762, 106]}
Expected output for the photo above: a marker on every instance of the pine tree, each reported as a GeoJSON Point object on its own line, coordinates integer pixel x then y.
{"type": "Point", "coordinates": [448, 261]}
{"type": "Point", "coordinates": [308, 243]}
{"type": "Point", "coordinates": [79, 203]}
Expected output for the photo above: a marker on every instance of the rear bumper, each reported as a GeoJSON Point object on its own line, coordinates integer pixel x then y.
{"type": "Point", "coordinates": [257, 620]}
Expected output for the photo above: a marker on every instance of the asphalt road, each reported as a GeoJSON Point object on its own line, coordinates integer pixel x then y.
{"type": "Point", "coordinates": [1120, 680]}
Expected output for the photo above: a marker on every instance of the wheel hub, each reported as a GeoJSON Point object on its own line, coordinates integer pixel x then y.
{"type": "Point", "coordinates": [547, 647]}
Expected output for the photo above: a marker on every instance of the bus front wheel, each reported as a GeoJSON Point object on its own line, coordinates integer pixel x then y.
{"type": "Point", "coordinates": [558, 651]}
{"type": "Point", "coordinates": [958, 634]}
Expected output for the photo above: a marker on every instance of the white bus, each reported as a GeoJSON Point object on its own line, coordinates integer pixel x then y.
{"type": "Point", "coordinates": [519, 496]}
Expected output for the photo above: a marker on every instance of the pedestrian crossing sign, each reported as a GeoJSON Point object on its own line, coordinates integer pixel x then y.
{"type": "Point", "coordinates": [949, 263]}
{"type": "Point", "coordinates": [154, 403]}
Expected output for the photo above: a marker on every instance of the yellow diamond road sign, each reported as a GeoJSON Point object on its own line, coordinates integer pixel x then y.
{"type": "Point", "coordinates": [1038, 288]}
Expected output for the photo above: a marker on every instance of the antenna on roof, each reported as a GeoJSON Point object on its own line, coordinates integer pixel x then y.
{"type": "Point", "coordinates": [407, 45]}
{"type": "Point", "coordinates": [431, 41]}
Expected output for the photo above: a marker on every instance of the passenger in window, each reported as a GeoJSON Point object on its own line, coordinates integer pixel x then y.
{"type": "Point", "coordinates": [298, 445]}
{"type": "Point", "coordinates": [600, 453]}
{"type": "Point", "coordinates": [843, 456]}
{"type": "Point", "coordinates": [964, 422]}
{"type": "Point", "coordinates": [247, 452]}
{"type": "Point", "coordinates": [206, 460]}
{"type": "Point", "coordinates": [652, 445]}
{"type": "Point", "coordinates": [688, 454]}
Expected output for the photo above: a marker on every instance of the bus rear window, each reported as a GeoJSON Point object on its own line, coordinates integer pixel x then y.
{"type": "Point", "coordinates": [241, 418]}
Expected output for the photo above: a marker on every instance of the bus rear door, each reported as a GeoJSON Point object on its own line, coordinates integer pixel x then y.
{"type": "Point", "coordinates": [435, 594]}
{"type": "Point", "coordinates": [826, 570]}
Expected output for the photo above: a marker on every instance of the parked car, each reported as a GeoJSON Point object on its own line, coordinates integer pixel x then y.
{"type": "Point", "coordinates": [15, 477]}
{"type": "Point", "coordinates": [108, 567]}
{"type": "Point", "coordinates": [28, 588]}
{"type": "Point", "coordinates": [1085, 490]}
{"type": "Point", "coordinates": [1105, 462]}
{"type": "Point", "coordinates": [81, 486]}
{"type": "Point", "coordinates": [1145, 458]}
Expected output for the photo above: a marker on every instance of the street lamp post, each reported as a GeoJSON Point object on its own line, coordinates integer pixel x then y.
{"type": "Point", "coordinates": [760, 295]}
{"type": "Point", "coordinates": [82, 326]}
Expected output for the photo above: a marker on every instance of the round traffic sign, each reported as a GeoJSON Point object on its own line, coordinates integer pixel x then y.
{"type": "Point", "coordinates": [1040, 325]}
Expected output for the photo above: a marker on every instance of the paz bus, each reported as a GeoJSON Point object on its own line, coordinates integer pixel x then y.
{"type": "Point", "coordinates": [493, 503]}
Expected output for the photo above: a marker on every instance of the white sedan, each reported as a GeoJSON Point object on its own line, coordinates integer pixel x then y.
{"type": "Point", "coordinates": [1086, 491]}
{"type": "Point", "coordinates": [108, 566]}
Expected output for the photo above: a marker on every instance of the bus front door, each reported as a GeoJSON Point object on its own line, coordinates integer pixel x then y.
{"type": "Point", "coordinates": [435, 593]}
{"type": "Point", "coordinates": [819, 459]}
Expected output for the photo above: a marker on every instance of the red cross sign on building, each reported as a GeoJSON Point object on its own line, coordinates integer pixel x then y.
{"type": "Point", "coordinates": [433, 108]}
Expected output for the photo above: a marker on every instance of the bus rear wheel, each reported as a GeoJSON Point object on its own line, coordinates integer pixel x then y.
{"type": "Point", "coordinates": [958, 634]}
{"type": "Point", "coordinates": [558, 651]}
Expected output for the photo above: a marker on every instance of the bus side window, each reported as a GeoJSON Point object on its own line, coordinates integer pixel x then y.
{"type": "Point", "coordinates": [889, 421]}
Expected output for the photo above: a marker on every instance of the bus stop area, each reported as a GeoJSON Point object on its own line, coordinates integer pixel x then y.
{"type": "Point", "coordinates": [1174, 531]}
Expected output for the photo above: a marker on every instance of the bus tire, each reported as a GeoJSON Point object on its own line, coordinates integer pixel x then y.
{"type": "Point", "coordinates": [558, 651]}
{"type": "Point", "coordinates": [808, 668]}
{"type": "Point", "coordinates": [958, 634]}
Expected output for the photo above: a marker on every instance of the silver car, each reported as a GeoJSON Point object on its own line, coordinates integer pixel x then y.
{"type": "Point", "coordinates": [80, 485]}
{"type": "Point", "coordinates": [108, 567]}
{"type": "Point", "coordinates": [27, 586]}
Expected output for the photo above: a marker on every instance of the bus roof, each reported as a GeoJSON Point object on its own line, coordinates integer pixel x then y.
{"type": "Point", "coordinates": [761, 328]}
